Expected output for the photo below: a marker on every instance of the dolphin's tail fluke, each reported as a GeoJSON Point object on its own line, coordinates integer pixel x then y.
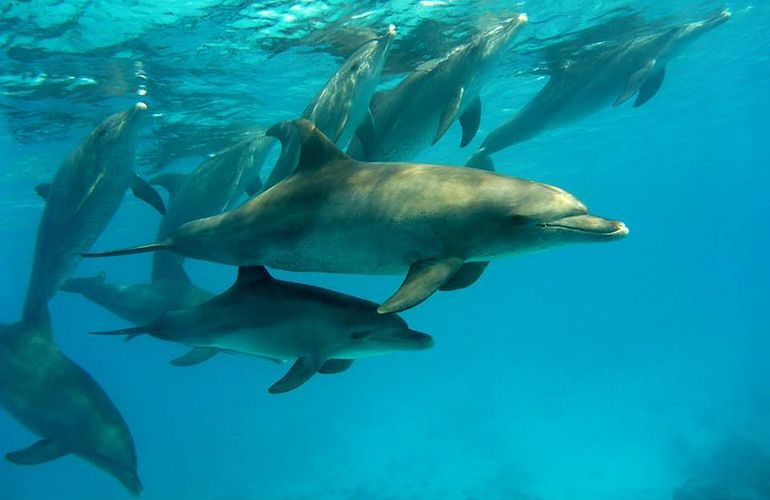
{"type": "Point", "coordinates": [130, 333]}
{"type": "Point", "coordinates": [149, 247]}
{"type": "Point", "coordinates": [79, 285]}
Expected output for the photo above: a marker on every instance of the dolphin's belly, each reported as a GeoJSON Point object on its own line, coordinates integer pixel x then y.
{"type": "Point", "coordinates": [284, 341]}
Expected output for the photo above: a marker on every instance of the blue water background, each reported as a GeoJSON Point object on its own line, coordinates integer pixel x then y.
{"type": "Point", "coordinates": [584, 372]}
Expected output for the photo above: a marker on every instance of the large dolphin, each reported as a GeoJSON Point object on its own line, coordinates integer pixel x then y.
{"type": "Point", "coordinates": [322, 330]}
{"type": "Point", "coordinates": [417, 112]}
{"type": "Point", "coordinates": [139, 303]}
{"type": "Point", "coordinates": [608, 73]}
{"type": "Point", "coordinates": [213, 187]}
{"type": "Point", "coordinates": [56, 399]}
{"type": "Point", "coordinates": [339, 215]}
{"type": "Point", "coordinates": [343, 103]}
{"type": "Point", "coordinates": [86, 192]}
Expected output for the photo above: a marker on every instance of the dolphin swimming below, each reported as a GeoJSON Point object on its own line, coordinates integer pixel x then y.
{"type": "Point", "coordinates": [420, 109]}
{"type": "Point", "coordinates": [56, 399]}
{"type": "Point", "coordinates": [321, 330]}
{"type": "Point", "coordinates": [139, 303]}
{"type": "Point", "coordinates": [342, 104]}
{"type": "Point", "coordinates": [212, 188]}
{"type": "Point", "coordinates": [609, 73]}
{"type": "Point", "coordinates": [85, 194]}
{"type": "Point", "coordinates": [339, 215]}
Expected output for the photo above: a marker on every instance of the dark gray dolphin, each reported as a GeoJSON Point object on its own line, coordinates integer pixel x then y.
{"type": "Point", "coordinates": [339, 215]}
{"type": "Point", "coordinates": [321, 330]}
{"type": "Point", "coordinates": [604, 75]}
{"type": "Point", "coordinates": [212, 188]}
{"type": "Point", "coordinates": [86, 192]}
{"type": "Point", "coordinates": [417, 112]}
{"type": "Point", "coordinates": [139, 303]}
{"type": "Point", "coordinates": [342, 104]}
{"type": "Point", "coordinates": [54, 398]}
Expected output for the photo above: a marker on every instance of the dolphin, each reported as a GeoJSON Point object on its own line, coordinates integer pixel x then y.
{"type": "Point", "coordinates": [213, 187]}
{"type": "Point", "coordinates": [86, 192]}
{"type": "Point", "coordinates": [139, 303]}
{"type": "Point", "coordinates": [608, 73]}
{"type": "Point", "coordinates": [339, 215]}
{"type": "Point", "coordinates": [418, 111]}
{"type": "Point", "coordinates": [321, 330]}
{"type": "Point", "coordinates": [57, 400]}
{"type": "Point", "coordinates": [343, 103]}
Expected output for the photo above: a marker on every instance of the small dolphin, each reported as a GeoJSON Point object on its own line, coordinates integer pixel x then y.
{"type": "Point", "coordinates": [212, 188]}
{"type": "Point", "coordinates": [342, 104]}
{"type": "Point", "coordinates": [57, 400]}
{"type": "Point", "coordinates": [140, 303]}
{"type": "Point", "coordinates": [324, 331]}
{"type": "Point", "coordinates": [609, 73]}
{"type": "Point", "coordinates": [339, 215]}
{"type": "Point", "coordinates": [417, 112]}
{"type": "Point", "coordinates": [81, 201]}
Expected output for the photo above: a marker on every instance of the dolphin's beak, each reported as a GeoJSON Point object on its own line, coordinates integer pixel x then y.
{"type": "Point", "coordinates": [589, 225]}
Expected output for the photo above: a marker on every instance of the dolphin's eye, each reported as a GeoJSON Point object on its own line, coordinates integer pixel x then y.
{"type": "Point", "coordinates": [359, 335]}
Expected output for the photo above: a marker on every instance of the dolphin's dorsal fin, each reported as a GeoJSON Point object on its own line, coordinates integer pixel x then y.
{"type": "Point", "coordinates": [248, 276]}
{"type": "Point", "coordinates": [316, 149]}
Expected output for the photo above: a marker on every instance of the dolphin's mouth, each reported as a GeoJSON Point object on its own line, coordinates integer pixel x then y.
{"type": "Point", "coordinates": [589, 225]}
{"type": "Point", "coordinates": [407, 339]}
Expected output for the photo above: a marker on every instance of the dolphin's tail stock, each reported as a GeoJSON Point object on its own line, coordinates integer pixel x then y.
{"type": "Point", "coordinates": [149, 247]}
{"type": "Point", "coordinates": [79, 285]}
{"type": "Point", "coordinates": [130, 332]}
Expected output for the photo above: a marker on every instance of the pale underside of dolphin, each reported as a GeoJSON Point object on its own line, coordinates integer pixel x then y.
{"type": "Point", "coordinates": [321, 331]}
{"type": "Point", "coordinates": [338, 215]}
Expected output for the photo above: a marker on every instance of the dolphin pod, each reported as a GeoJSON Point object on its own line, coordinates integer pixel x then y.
{"type": "Point", "coordinates": [342, 104]}
{"type": "Point", "coordinates": [584, 84]}
{"type": "Point", "coordinates": [339, 215]}
{"type": "Point", "coordinates": [319, 209]}
{"type": "Point", "coordinates": [321, 330]}
{"type": "Point", "coordinates": [419, 111]}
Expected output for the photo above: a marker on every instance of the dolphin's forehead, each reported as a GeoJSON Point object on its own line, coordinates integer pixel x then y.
{"type": "Point", "coordinates": [535, 200]}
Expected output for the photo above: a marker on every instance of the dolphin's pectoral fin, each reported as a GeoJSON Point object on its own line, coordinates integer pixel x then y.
{"type": "Point", "coordinates": [299, 373]}
{"type": "Point", "coordinates": [43, 451]}
{"type": "Point", "coordinates": [43, 190]}
{"type": "Point", "coordinates": [449, 114]}
{"type": "Point", "coordinates": [422, 280]}
{"type": "Point", "coordinates": [635, 82]}
{"type": "Point", "coordinates": [142, 190]}
{"type": "Point", "coordinates": [470, 121]}
{"type": "Point", "coordinates": [481, 160]}
{"type": "Point", "coordinates": [171, 182]}
{"type": "Point", "coordinates": [650, 87]}
{"type": "Point", "coordinates": [196, 356]}
{"type": "Point", "coordinates": [467, 275]}
{"type": "Point", "coordinates": [335, 366]}
{"type": "Point", "coordinates": [254, 186]}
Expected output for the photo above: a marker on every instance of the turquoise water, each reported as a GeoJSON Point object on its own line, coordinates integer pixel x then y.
{"type": "Point", "coordinates": [618, 371]}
